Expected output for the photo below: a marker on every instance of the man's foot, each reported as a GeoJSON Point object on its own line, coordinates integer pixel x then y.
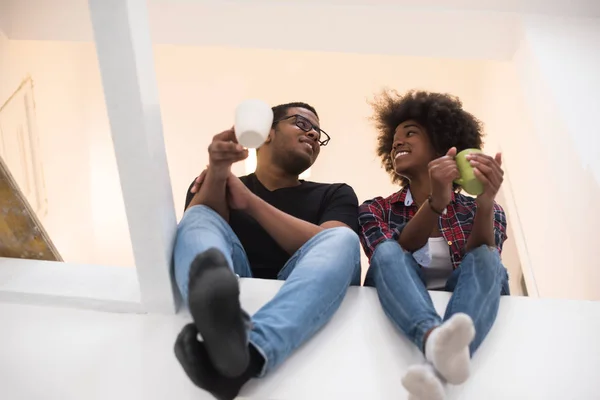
{"type": "Point", "coordinates": [422, 383]}
{"type": "Point", "coordinates": [215, 307]}
{"type": "Point", "coordinates": [195, 360]}
{"type": "Point", "coordinates": [447, 348]}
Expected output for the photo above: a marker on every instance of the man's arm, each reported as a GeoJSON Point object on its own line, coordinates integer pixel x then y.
{"type": "Point", "coordinates": [211, 186]}
{"type": "Point", "coordinates": [212, 193]}
{"type": "Point", "coordinates": [290, 232]}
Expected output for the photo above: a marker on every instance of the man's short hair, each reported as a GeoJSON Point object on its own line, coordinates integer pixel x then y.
{"type": "Point", "coordinates": [280, 111]}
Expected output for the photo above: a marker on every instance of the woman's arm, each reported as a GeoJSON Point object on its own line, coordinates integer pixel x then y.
{"type": "Point", "coordinates": [483, 229]}
{"type": "Point", "coordinates": [417, 231]}
{"type": "Point", "coordinates": [489, 172]}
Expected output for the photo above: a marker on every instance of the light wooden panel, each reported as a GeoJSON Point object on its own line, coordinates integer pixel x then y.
{"type": "Point", "coordinates": [21, 233]}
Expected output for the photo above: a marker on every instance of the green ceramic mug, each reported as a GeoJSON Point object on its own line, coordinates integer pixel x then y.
{"type": "Point", "coordinates": [467, 179]}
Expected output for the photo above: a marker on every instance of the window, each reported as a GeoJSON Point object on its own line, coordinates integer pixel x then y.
{"type": "Point", "coordinates": [122, 32]}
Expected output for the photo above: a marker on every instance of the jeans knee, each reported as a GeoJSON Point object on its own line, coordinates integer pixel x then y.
{"type": "Point", "coordinates": [344, 243]}
{"type": "Point", "coordinates": [342, 238]}
{"type": "Point", "coordinates": [344, 233]}
{"type": "Point", "coordinates": [199, 211]}
{"type": "Point", "coordinates": [387, 254]}
{"type": "Point", "coordinates": [488, 256]}
{"type": "Point", "coordinates": [388, 258]}
{"type": "Point", "coordinates": [485, 252]}
{"type": "Point", "coordinates": [201, 214]}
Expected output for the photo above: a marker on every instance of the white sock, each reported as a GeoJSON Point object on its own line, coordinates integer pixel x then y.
{"type": "Point", "coordinates": [422, 383]}
{"type": "Point", "coordinates": [447, 348]}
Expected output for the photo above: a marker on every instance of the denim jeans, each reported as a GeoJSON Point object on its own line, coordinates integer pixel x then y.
{"type": "Point", "coordinates": [317, 277]}
{"type": "Point", "coordinates": [476, 285]}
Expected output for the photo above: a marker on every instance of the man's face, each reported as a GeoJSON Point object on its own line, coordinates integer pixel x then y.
{"type": "Point", "coordinates": [294, 149]}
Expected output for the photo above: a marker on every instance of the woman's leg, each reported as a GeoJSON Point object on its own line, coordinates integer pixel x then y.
{"type": "Point", "coordinates": [402, 293]}
{"type": "Point", "coordinates": [477, 286]}
{"type": "Point", "coordinates": [406, 302]}
{"type": "Point", "coordinates": [472, 309]}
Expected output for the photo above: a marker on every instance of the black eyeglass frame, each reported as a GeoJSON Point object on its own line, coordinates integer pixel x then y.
{"type": "Point", "coordinates": [320, 131]}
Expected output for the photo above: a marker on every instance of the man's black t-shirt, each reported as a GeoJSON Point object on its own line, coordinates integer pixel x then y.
{"type": "Point", "coordinates": [309, 201]}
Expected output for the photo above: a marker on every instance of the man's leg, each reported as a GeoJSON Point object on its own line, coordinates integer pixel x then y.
{"type": "Point", "coordinates": [206, 251]}
{"type": "Point", "coordinates": [477, 286]}
{"type": "Point", "coordinates": [200, 229]}
{"type": "Point", "coordinates": [317, 278]}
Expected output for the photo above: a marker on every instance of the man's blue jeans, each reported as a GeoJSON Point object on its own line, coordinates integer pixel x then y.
{"type": "Point", "coordinates": [317, 277]}
{"type": "Point", "coordinates": [477, 285]}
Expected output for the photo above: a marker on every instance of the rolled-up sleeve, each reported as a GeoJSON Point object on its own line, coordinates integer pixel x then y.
{"type": "Point", "coordinates": [499, 226]}
{"type": "Point", "coordinates": [373, 228]}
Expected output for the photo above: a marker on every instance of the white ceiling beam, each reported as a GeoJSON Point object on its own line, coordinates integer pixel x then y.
{"type": "Point", "coordinates": [290, 25]}
{"type": "Point", "coordinates": [124, 50]}
{"type": "Point", "coordinates": [461, 29]}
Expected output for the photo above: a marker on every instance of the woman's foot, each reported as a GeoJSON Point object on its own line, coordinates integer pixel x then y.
{"type": "Point", "coordinates": [447, 348]}
{"type": "Point", "coordinates": [422, 383]}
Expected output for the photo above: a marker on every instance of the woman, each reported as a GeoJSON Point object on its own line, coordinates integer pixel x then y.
{"type": "Point", "coordinates": [429, 236]}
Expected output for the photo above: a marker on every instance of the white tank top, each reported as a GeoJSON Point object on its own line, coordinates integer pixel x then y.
{"type": "Point", "coordinates": [435, 259]}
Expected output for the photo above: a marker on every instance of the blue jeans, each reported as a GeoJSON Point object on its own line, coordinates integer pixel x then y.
{"type": "Point", "coordinates": [477, 286]}
{"type": "Point", "coordinates": [317, 277]}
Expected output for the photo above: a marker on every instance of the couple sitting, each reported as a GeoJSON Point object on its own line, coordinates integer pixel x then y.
{"type": "Point", "coordinates": [272, 225]}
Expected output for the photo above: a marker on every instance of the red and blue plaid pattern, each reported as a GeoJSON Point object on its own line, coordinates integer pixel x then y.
{"type": "Point", "coordinates": [382, 219]}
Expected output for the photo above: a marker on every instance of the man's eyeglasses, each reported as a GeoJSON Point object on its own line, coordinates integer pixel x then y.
{"type": "Point", "coordinates": [307, 126]}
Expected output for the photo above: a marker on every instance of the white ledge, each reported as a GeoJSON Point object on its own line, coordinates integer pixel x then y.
{"type": "Point", "coordinates": [51, 283]}
{"type": "Point", "coordinates": [538, 349]}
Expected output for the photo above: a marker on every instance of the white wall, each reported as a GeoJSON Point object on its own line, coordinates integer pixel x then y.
{"type": "Point", "coordinates": [199, 88]}
{"type": "Point", "coordinates": [112, 245]}
{"type": "Point", "coordinates": [341, 100]}
{"type": "Point", "coordinates": [558, 70]}
{"type": "Point", "coordinates": [4, 43]}
{"type": "Point", "coordinates": [4, 27]}
{"type": "Point", "coordinates": [567, 55]}
{"type": "Point", "coordinates": [509, 131]}
{"type": "Point", "coordinates": [547, 129]}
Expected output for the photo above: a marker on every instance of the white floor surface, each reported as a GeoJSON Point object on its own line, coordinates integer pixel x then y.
{"type": "Point", "coordinates": [538, 349]}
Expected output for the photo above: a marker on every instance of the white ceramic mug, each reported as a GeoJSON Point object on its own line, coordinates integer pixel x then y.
{"type": "Point", "coordinates": [253, 121]}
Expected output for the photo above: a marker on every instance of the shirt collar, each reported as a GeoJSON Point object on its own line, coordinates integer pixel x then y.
{"type": "Point", "coordinates": [400, 196]}
{"type": "Point", "coordinates": [405, 196]}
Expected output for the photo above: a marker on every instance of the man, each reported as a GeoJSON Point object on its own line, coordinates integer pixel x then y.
{"type": "Point", "coordinates": [269, 225]}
